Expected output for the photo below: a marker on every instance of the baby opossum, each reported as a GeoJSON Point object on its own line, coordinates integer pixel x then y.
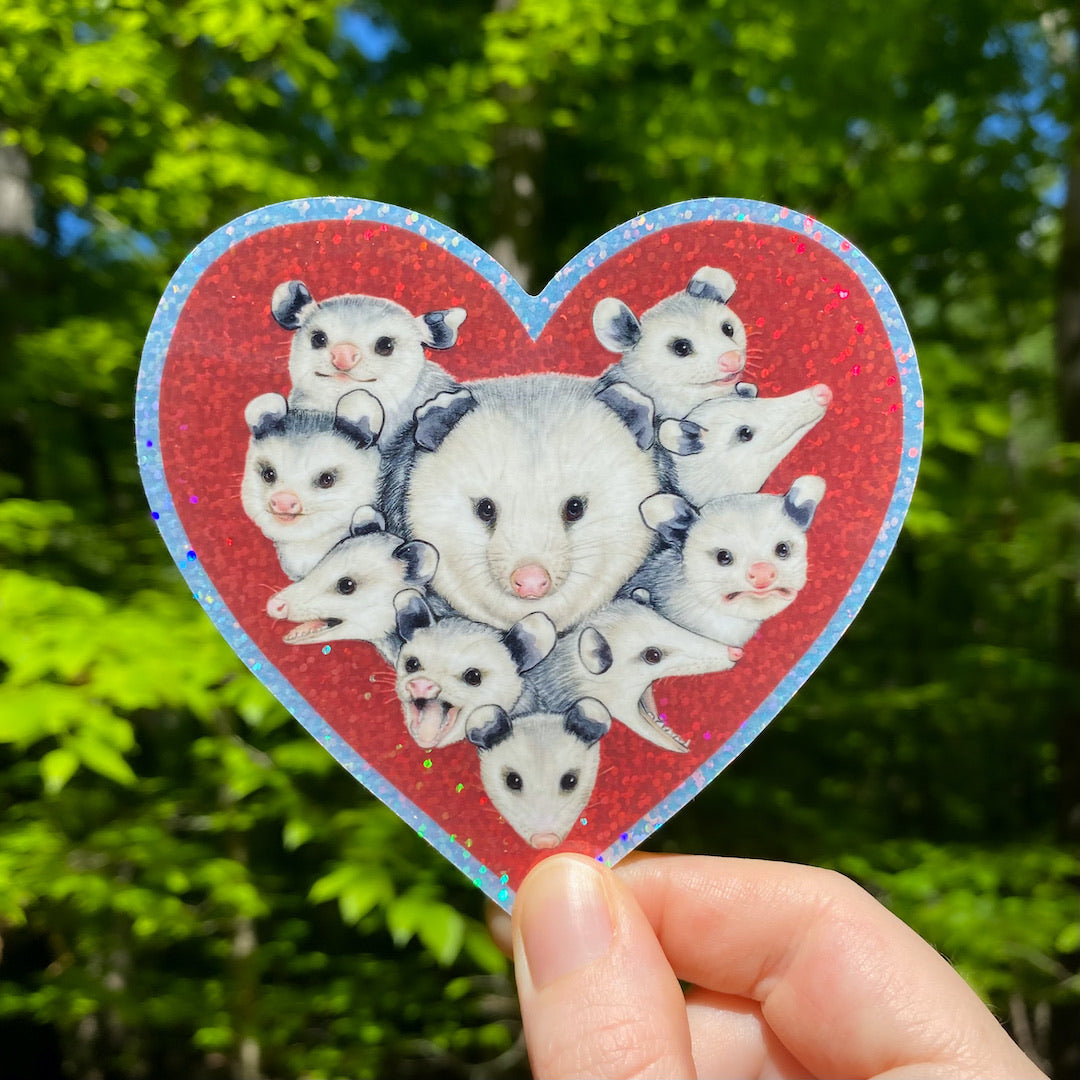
{"type": "Point", "coordinates": [529, 486]}
{"type": "Point", "coordinates": [616, 658]}
{"type": "Point", "coordinates": [684, 350]}
{"type": "Point", "coordinates": [730, 445]}
{"type": "Point", "coordinates": [367, 341]}
{"type": "Point", "coordinates": [737, 562]}
{"type": "Point", "coordinates": [539, 770]}
{"type": "Point", "coordinates": [306, 472]}
{"type": "Point", "coordinates": [448, 667]}
{"type": "Point", "coordinates": [349, 595]}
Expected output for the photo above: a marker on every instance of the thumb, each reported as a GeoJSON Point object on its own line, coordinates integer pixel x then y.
{"type": "Point", "coordinates": [598, 997]}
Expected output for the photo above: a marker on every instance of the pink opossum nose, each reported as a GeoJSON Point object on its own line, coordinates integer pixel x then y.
{"type": "Point", "coordinates": [544, 840]}
{"type": "Point", "coordinates": [761, 574]}
{"type": "Point", "coordinates": [286, 503]}
{"type": "Point", "coordinates": [422, 689]}
{"type": "Point", "coordinates": [344, 357]}
{"type": "Point", "coordinates": [277, 608]}
{"type": "Point", "coordinates": [530, 582]}
{"type": "Point", "coordinates": [731, 361]}
{"type": "Point", "coordinates": [822, 394]}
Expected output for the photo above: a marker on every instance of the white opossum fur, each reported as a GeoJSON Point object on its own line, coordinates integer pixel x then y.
{"type": "Point", "coordinates": [740, 560]}
{"type": "Point", "coordinates": [685, 349]}
{"type": "Point", "coordinates": [349, 595]}
{"type": "Point", "coordinates": [539, 770]}
{"type": "Point", "coordinates": [354, 340]}
{"type": "Point", "coordinates": [730, 445]}
{"type": "Point", "coordinates": [449, 667]}
{"type": "Point", "coordinates": [529, 486]}
{"type": "Point", "coordinates": [306, 472]}
{"type": "Point", "coordinates": [616, 658]}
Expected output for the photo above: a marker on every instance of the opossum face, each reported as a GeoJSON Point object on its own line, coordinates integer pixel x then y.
{"type": "Point", "coordinates": [531, 499]}
{"type": "Point", "coordinates": [349, 595]}
{"type": "Point", "coordinates": [448, 668]}
{"type": "Point", "coordinates": [353, 341]}
{"type": "Point", "coordinates": [684, 350]}
{"type": "Point", "coordinates": [732, 444]}
{"type": "Point", "coordinates": [745, 555]}
{"type": "Point", "coordinates": [625, 648]}
{"type": "Point", "coordinates": [539, 770]}
{"type": "Point", "coordinates": [306, 472]}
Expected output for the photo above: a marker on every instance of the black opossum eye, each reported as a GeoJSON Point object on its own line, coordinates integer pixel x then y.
{"type": "Point", "coordinates": [724, 557]}
{"type": "Point", "coordinates": [346, 586]}
{"type": "Point", "coordinates": [268, 473]}
{"type": "Point", "coordinates": [513, 781]}
{"type": "Point", "coordinates": [319, 340]}
{"type": "Point", "coordinates": [573, 509]}
{"type": "Point", "coordinates": [384, 346]}
{"type": "Point", "coordinates": [412, 664]}
{"type": "Point", "coordinates": [473, 677]}
{"type": "Point", "coordinates": [681, 346]}
{"type": "Point", "coordinates": [568, 780]}
{"type": "Point", "coordinates": [728, 328]}
{"type": "Point", "coordinates": [485, 511]}
{"type": "Point", "coordinates": [652, 655]}
{"type": "Point", "coordinates": [783, 550]}
{"type": "Point", "coordinates": [326, 479]}
{"type": "Point", "coordinates": [744, 434]}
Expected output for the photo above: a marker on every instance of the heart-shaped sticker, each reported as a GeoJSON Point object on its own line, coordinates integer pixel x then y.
{"type": "Point", "coordinates": [534, 569]}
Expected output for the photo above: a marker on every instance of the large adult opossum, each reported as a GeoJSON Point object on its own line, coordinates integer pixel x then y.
{"type": "Point", "coordinates": [529, 486]}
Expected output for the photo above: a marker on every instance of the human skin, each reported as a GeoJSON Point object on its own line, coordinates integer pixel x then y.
{"type": "Point", "coordinates": [795, 971]}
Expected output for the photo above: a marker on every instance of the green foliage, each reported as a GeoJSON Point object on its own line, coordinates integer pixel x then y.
{"type": "Point", "coordinates": [189, 885]}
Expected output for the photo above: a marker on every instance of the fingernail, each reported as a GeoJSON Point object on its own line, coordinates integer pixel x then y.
{"type": "Point", "coordinates": [564, 922]}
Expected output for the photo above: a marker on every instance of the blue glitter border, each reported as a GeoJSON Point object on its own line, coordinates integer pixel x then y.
{"type": "Point", "coordinates": [534, 313]}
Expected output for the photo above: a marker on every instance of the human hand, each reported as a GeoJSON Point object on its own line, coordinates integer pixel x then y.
{"type": "Point", "coordinates": [796, 971]}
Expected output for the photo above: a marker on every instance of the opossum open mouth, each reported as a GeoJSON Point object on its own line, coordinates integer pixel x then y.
{"type": "Point", "coordinates": [309, 631]}
{"type": "Point", "coordinates": [428, 720]}
{"type": "Point", "coordinates": [651, 714]}
{"type": "Point", "coordinates": [762, 594]}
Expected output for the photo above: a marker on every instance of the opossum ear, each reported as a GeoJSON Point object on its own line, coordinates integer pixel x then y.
{"type": "Point", "coordinates": [587, 720]}
{"type": "Point", "coordinates": [265, 415]}
{"type": "Point", "coordinates": [746, 389]}
{"type": "Point", "coordinates": [413, 613]}
{"type": "Point", "coordinates": [436, 418]}
{"type": "Point", "coordinates": [439, 328]}
{"type": "Point", "coordinates": [670, 516]}
{"type": "Point", "coordinates": [709, 283]}
{"type": "Point", "coordinates": [420, 559]}
{"type": "Point", "coordinates": [366, 519]}
{"type": "Point", "coordinates": [594, 651]}
{"type": "Point", "coordinates": [802, 500]}
{"type": "Point", "coordinates": [289, 299]}
{"type": "Point", "coordinates": [681, 437]}
{"type": "Point", "coordinates": [634, 409]}
{"type": "Point", "coordinates": [530, 640]}
{"type": "Point", "coordinates": [616, 327]}
{"type": "Point", "coordinates": [487, 726]}
{"type": "Point", "coordinates": [359, 416]}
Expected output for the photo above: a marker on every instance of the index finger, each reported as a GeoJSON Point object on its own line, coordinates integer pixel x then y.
{"type": "Point", "coordinates": [846, 986]}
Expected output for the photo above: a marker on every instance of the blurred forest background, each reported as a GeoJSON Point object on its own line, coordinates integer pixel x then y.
{"type": "Point", "coordinates": [189, 886]}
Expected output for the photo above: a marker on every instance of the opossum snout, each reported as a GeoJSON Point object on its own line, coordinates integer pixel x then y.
{"type": "Point", "coordinates": [731, 362]}
{"type": "Point", "coordinates": [422, 689]}
{"type": "Point", "coordinates": [285, 504]}
{"type": "Point", "coordinates": [821, 394]}
{"type": "Point", "coordinates": [277, 608]}
{"type": "Point", "coordinates": [344, 356]}
{"type": "Point", "coordinates": [530, 581]}
{"type": "Point", "coordinates": [761, 574]}
{"type": "Point", "coordinates": [544, 841]}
